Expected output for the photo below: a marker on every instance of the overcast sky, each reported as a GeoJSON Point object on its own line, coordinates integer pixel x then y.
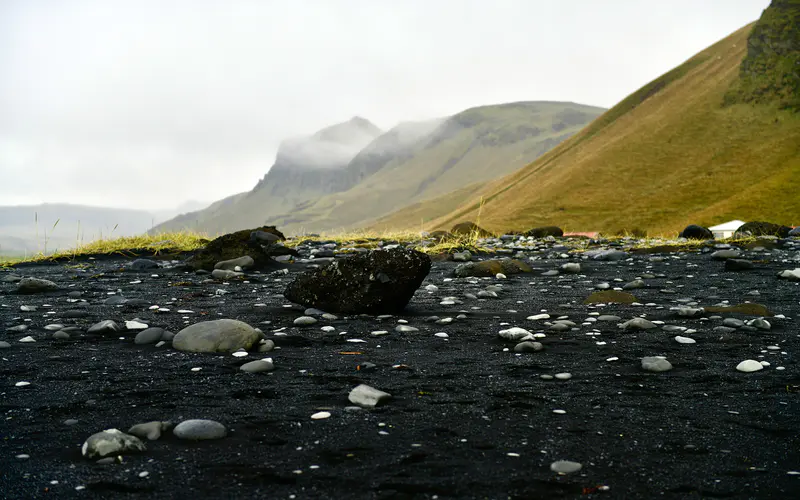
{"type": "Point", "coordinates": [146, 104]}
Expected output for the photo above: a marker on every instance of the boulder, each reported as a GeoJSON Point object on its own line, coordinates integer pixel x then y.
{"type": "Point", "coordinates": [235, 245]}
{"type": "Point", "coordinates": [762, 229]}
{"type": "Point", "coordinates": [543, 232]}
{"type": "Point", "coordinates": [220, 335]}
{"type": "Point", "coordinates": [470, 228]}
{"type": "Point", "coordinates": [695, 232]}
{"type": "Point", "coordinates": [491, 268]}
{"type": "Point", "coordinates": [375, 282]}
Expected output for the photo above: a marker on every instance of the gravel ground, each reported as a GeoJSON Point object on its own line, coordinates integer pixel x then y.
{"type": "Point", "coordinates": [468, 418]}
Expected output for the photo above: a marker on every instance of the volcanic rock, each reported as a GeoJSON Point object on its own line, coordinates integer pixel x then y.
{"type": "Point", "coordinates": [376, 282]}
{"type": "Point", "coordinates": [695, 232]}
{"type": "Point", "coordinates": [543, 232]}
{"type": "Point", "coordinates": [235, 245]}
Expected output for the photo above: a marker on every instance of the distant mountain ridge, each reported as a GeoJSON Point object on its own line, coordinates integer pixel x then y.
{"type": "Point", "coordinates": [312, 188]}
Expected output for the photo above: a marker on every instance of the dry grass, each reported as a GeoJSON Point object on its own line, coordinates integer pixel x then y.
{"type": "Point", "coordinates": [180, 241]}
{"type": "Point", "coordinates": [669, 155]}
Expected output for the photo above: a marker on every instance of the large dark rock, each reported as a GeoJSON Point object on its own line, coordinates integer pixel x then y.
{"type": "Point", "coordinates": [238, 244]}
{"type": "Point", "coordinates": [695, 232]}
{"type": "Point", "coordinates": [762, 229]}
{"type": "Point", "coordinates": [470, 228]}
{"type": "Point", "coordinates": [543, 232]}
{"type": "Point", "coordinates": [377, 282]}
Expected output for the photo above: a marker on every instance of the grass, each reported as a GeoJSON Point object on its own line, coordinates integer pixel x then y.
{"type": "Point", "coordinates": [669, 155]}
{"type": "Point", "coordinates": [164, 242]}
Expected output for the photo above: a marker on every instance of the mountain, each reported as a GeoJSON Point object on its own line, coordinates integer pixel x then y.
{"type": "Point", "coordinates": [38, 228]}
{"type": "Point", "coordinates": [476, 145]}
{"type": "Point", "coordinates": [305, 168]}
{"type": "Point", "coordinates": [715, 139]}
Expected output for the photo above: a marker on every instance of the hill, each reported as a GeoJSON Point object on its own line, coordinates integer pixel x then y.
{"type": "Point", "coordinates": [677, 151]}
{"type": "Point", "coordinates": [305, 168]}
{"type": "Point", "coordinates": [476, 145]}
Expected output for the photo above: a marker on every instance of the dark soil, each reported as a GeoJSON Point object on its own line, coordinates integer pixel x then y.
{"type": "Point", "coordinates": [462, 408]}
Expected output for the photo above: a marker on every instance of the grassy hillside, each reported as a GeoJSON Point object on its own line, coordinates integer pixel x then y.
{"type": "Point", "coordinates": [477, 145]}
{"type": "Point", "coordinates": [673, 153]}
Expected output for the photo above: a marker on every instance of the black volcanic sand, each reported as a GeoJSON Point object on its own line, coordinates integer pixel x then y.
{"type": "Point", "coordinates": [468, 418]}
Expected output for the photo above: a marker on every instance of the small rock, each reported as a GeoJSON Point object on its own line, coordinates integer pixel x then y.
{"type": "Point", "coordinates": [367, 397]}
{"type": "Point", "coordinates": [656, 364]}
{"type": "Point", "coordinates": [199, 429]}
{"type": "Point", "coordinates": [150, 430]}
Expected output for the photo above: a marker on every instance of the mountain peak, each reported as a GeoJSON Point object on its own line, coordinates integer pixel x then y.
{"type": "Point", "coordinates": [331, 147]}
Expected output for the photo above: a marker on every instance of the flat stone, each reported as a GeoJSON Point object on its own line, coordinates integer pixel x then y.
{"type": "Point", "coordinates": [257, 366]}
{"type": "Point", "coordinates": [243, 262]}
{"type": "Point", "coordinates": [565, 467]}
{"type": "Point", "coordinates": [528, 346]}
{"type": "Point", "coordinates": [105, 326]}
{"type": "Point", "coordinates": [36, 285]}
{"type": "Point", "coordinates": [749, 365]}
{"type": "Point", "coordinates": [367, 397]}
{"type": "Point", "coordinates": [199, 429]}
{"type": "Point", "coordinates": [224, 274]}
{"type": "Point", "coordinates": [656, 364]}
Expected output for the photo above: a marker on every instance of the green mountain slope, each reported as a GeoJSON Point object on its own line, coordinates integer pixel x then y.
{"type": "Point", "coordinates": [477, 145]}
{"type": "Point", "coordinates": [677, 151]}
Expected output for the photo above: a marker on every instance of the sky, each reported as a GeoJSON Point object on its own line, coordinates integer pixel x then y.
{"type": "Point", "coordinates": [150, 103]}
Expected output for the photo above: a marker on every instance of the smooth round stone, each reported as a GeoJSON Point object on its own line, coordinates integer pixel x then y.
{"type": "Point", "coordinates": [571, 267]}
{"type": "Point", "coordinates": [257, 366]}
{"type": "Point", "coordinates": [266, 346]}
{"type": "Point", "coordinates": [27, 308]}
{"type": "Point", "coordinates": [199, 429]}
{"type": "Point", "coordinates": [53, 327]}
{"type": "Point", "coordinates": [749, 365]}
{"type": "Point", "coordinates": [563, 376]}
{"type": "Point", "coordinates": [149, 336]}
{"type": "Point", "coordinates": [608, 317]}
{"type": "Point", "coordinates": [321, 415]}
{"type": "Point", "coordinates": [135, 325]}
{"type": "Point", "coordinates": [27, 340]}
{"type": "Point", "coordinates": [143, 265]}
{"type": "Point", "coordinates": [115, 300]}
{"type": "Point", "coordinates": [4, 345]}
{"type": "Point", "coordinates": [537, 317]}
{"type": "Point", "coordinates": [441, 335]}
{"type": "Point", "coordinates": [304, 321]}
{"type": "Point", "coordinates": [220, 335]}
{"type": "Point", "coordinates": [224, 274]}
{"type": "Point", "coordinates": [232, 264]}
{"type": "Point", "coordinates": [760, 323]}
{"type": "Point", "coordinates": [685, 340]}
{"type": "Point", "coordinates": [528, 346]}
{"type": "Point", "coordinates": [656, 364]}
{"type": "Point", "coordinates": [150, 430]}
{"type": "Point", "coordinates": [60, 335]}
{"type": "Point", "coordinates": [565, 467]}
{"type": "Point", "coordinates": [405, 329]}
{"type": "Point", "coordinates": [35, 285]}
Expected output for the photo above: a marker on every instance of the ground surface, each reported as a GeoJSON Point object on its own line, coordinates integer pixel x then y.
{"type": "Point", "coordinates": [468, 418]}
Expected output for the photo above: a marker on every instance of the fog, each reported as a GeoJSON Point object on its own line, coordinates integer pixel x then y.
{"type": "Point", "coordinates": [146, 104]}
